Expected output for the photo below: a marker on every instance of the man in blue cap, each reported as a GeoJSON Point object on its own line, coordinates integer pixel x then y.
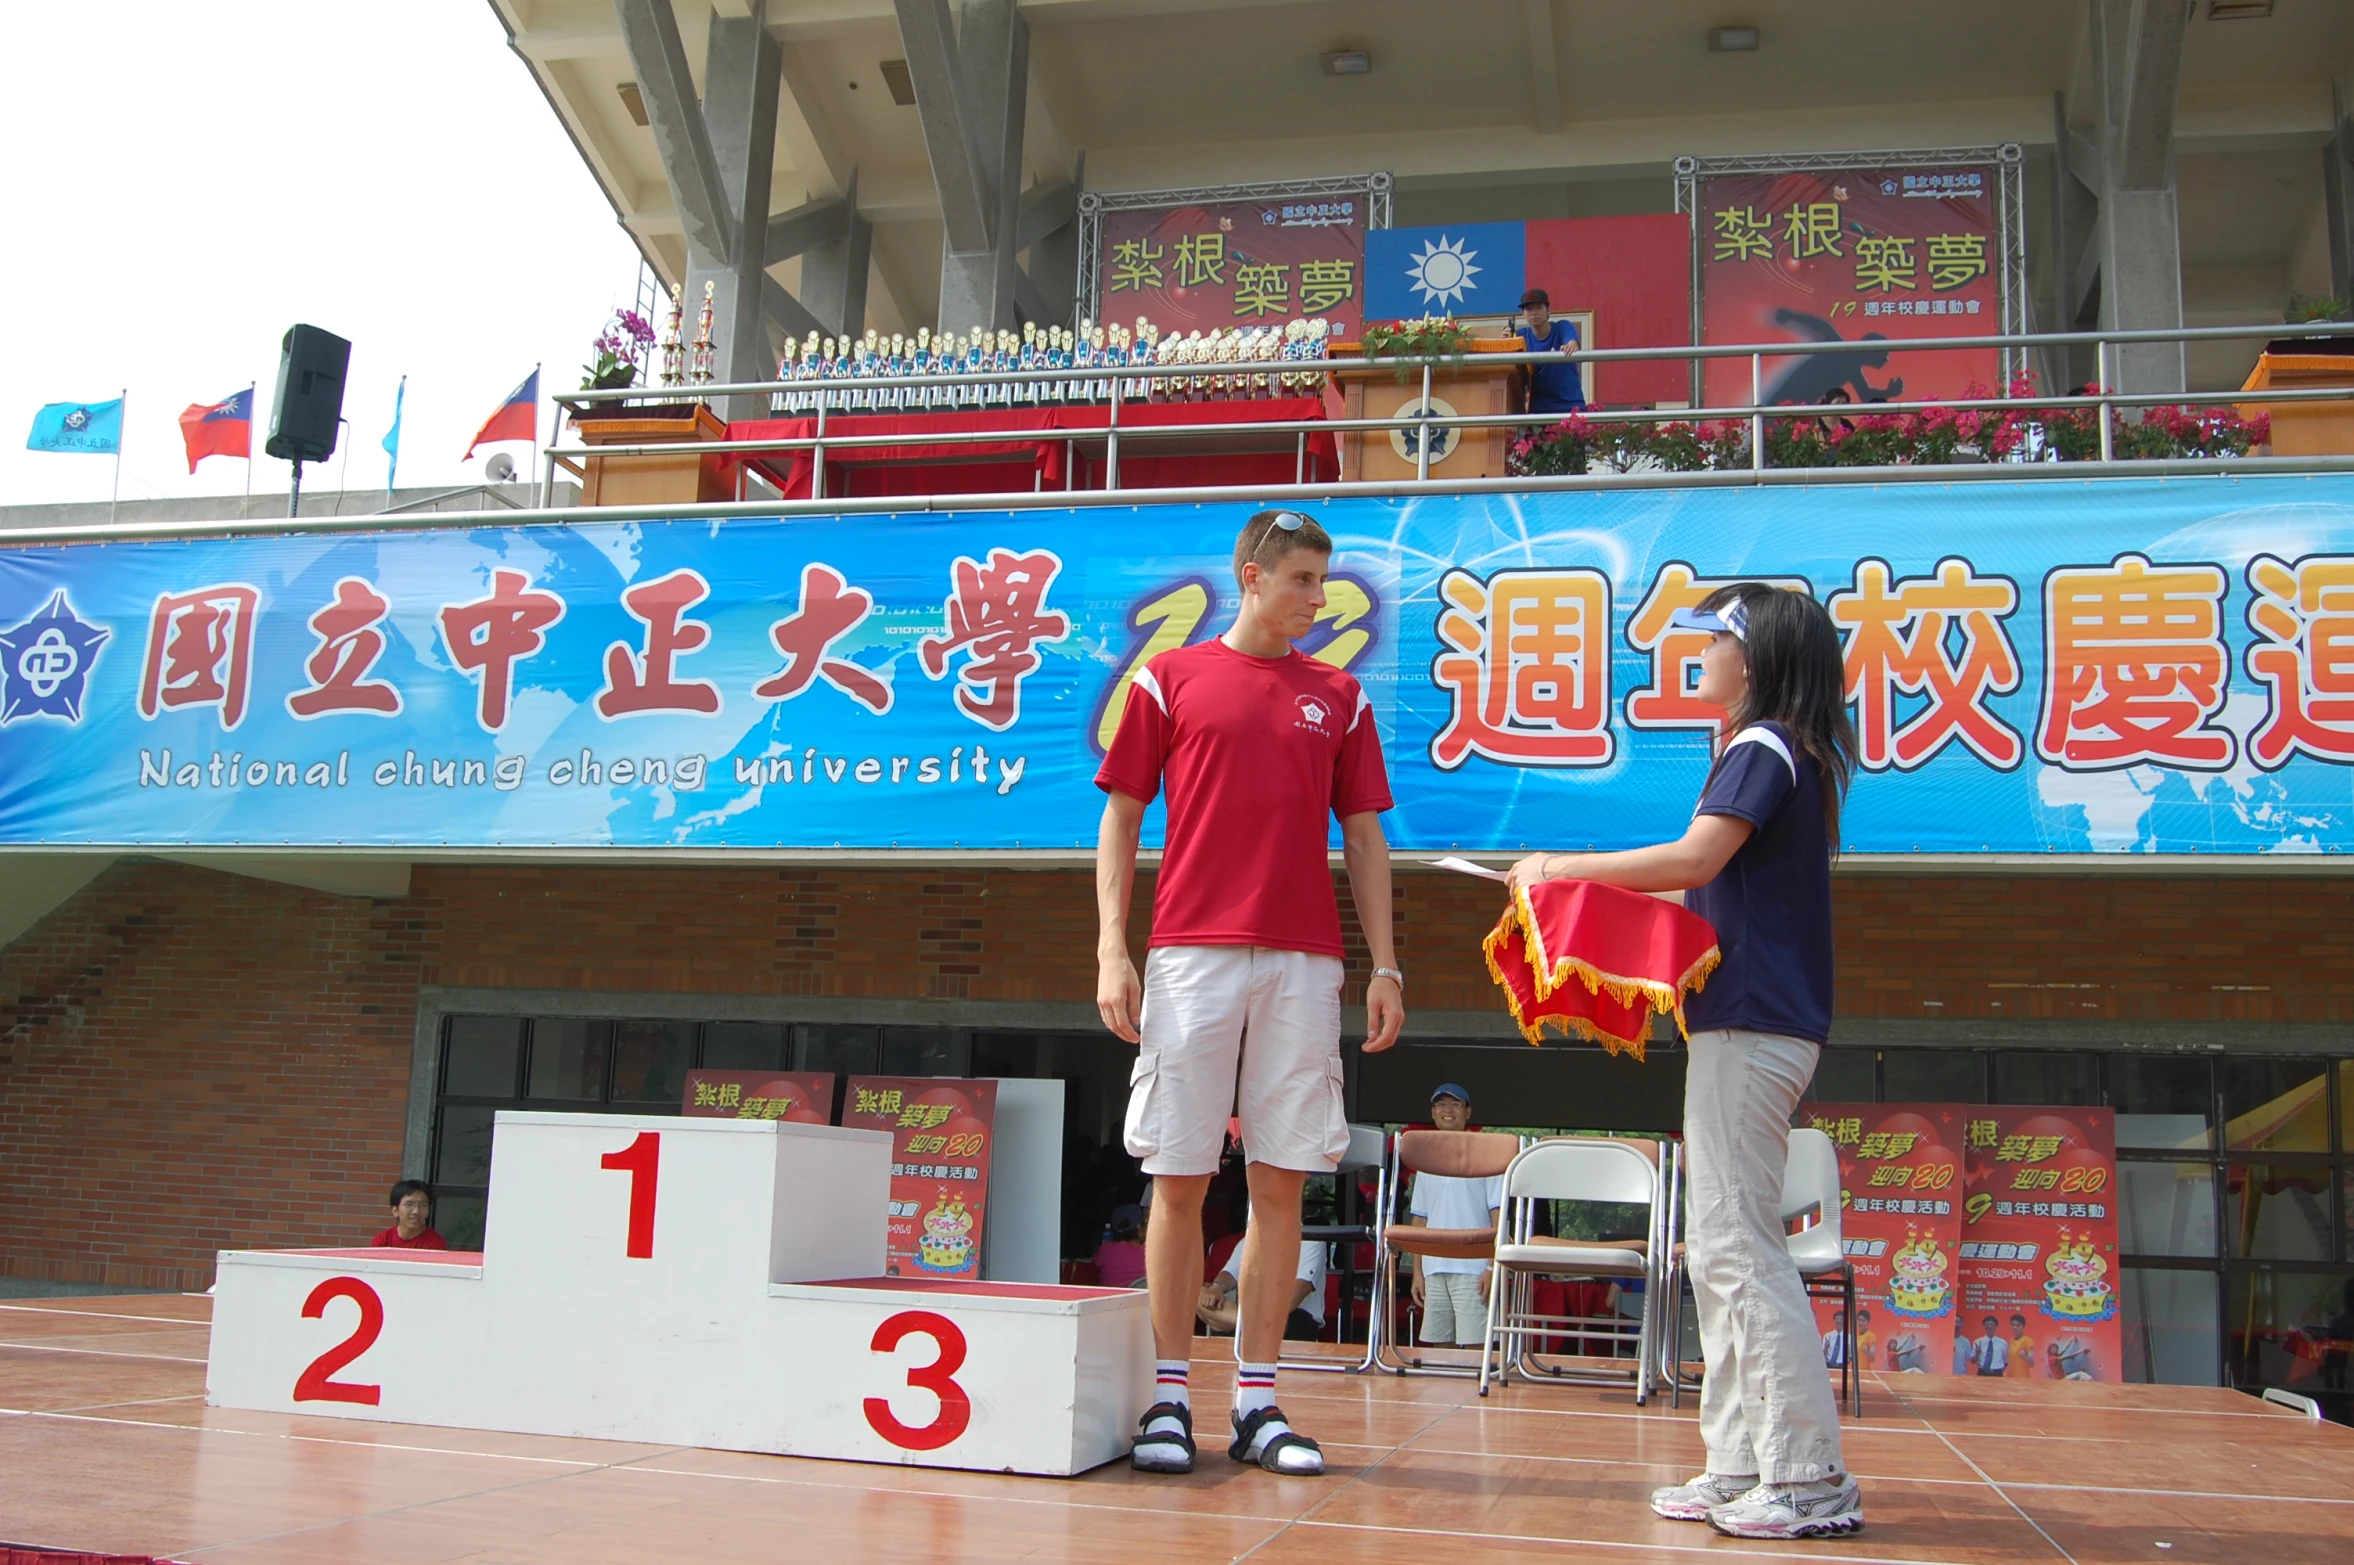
{"type": "Point", "coordinates": [1453, 1294]}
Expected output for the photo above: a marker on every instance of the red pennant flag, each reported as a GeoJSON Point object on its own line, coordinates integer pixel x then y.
{"type": "Point", "coordinates": [1594, 962]}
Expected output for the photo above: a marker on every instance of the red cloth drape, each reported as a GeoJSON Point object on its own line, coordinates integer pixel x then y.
{"type": "Point", "coordinates": [1036, 453]}
{"type": "Point", "coordinates": [1594, 962]}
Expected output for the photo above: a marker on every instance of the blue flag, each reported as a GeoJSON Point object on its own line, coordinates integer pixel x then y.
{"type": "Point", "coordinates": [1464, 269]}
{"type": "Point", "coordinates": [79, 426]}
{"type": "Point", "coordinates": [392, 437]}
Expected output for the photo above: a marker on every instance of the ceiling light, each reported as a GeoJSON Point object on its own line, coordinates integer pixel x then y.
{"type": "Point", "coordinates": [632, 101]}
{"type": "Point", "coordinates": [2237, 10]}
{"type": "Point", "coordinates": [1732, 40]}
{"type": "Point", "coordinates": [1347, 62]}
{"type": "Point", "coordinates": [901, 84]}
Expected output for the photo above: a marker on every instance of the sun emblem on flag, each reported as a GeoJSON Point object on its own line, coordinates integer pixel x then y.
{"type": "Point", "coordinates": [1442, 272]}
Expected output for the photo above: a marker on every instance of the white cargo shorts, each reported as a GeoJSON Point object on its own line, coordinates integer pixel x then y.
{"type": "Point", "coordinates": [1238, 1030]}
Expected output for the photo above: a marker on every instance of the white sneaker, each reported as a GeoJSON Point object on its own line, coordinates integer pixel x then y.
{"type": "Point", "coordinates": [1691, 1502]}
{"type": "Point", "coordinates": [1793, 1510]}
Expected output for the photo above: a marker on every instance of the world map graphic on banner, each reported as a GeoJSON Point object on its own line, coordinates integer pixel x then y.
{"type": "Point", "coordinates": [2118, 665]}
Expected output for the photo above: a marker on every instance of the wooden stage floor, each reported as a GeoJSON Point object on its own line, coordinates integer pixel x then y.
{"type": "Point", "coordinates": [106, 1444]}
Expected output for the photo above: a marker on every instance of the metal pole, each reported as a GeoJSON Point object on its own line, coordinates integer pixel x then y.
{"type": "Point", "coordinates": [1757, 459]}
{"type": "Point", "coordinates": [2102, 388]}
{"type": "Point", "coordinates": [1422, 430]}
{"type": "Point", "coordinates": [122, 419]}
{"type": "Point", "coordinates": [1299, 462]}
{"type": "Point", "coordinates": [817, 453]}
{"type": "Point", "coordinates": [1111, 442]}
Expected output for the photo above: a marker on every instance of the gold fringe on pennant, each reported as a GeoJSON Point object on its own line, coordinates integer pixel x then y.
{"type": "Point", "coordinates": [1549, 975]}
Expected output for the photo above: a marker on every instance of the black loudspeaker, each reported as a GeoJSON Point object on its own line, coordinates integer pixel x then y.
{"type": "Point", "coordinates": [310, 395]}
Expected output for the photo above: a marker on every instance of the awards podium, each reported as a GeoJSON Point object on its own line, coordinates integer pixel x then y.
{"type": "Point", "coordinates": [701, 1282]}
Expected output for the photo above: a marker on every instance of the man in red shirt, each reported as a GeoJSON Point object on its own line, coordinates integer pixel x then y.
{"type": "Point", "coordinates": [1258, 747]}
{"type": "Point", "coordinates": [412, 1219]}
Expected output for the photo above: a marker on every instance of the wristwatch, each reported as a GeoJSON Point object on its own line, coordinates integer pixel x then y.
{"type": "Point", "coordinates": [1391, 973]}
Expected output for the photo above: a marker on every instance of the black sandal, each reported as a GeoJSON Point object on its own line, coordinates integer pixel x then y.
{"type": "Point", "coordinates": [1270, 1457]}
{"type": "Point", "coordinates": [1162, 1450]}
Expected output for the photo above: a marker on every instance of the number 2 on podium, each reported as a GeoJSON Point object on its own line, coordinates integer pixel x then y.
{"type": "Point", "coordinates": [642, 1161]}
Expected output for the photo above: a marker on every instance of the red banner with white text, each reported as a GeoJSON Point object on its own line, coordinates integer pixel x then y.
{"type": "Point", "coordinates": [941, 1135]}
{"type": "Point", "coordinates": [1900, 1178]}
{"type": "Point", "coordinates": [2039, 1244]}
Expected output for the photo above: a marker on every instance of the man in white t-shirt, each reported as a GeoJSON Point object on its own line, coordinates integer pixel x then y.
{"type": "Point", "coordinates": [1453, 1294]}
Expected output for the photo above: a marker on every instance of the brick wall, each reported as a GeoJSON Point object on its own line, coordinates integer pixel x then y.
{"type": "Point", "coordinates": [191, 1060]}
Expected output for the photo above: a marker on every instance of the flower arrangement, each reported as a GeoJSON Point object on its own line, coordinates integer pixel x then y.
{"type": "Point", "coordinates": [620, 352]}
{"type": "Point", "coordinates": [1433, 339]}
{"type": "Point", "coordinates": [1929, 437]}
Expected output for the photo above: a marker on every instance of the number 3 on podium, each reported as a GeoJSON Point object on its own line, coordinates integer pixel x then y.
{"type": "Point", "coordinates": [937, 1377]}
{"type": "Point", "coordinates": [642, 1161]}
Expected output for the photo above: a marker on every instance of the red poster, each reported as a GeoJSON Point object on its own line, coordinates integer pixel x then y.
{"type": "Point", "coordinates": [940, 1138]}
{"type": "Point", "coordinates": [804, 1097]}
{"type": "Point", "coordinates": [1895, 253]}
{"type": "Point", "coordinates": [2039, 1260]}
{"type": "Point", "coordinates": [1900, 1176]}
{"type": "Point", "coordinates": [1237, 264]}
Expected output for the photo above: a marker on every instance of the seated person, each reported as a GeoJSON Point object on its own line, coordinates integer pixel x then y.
{"type": "Point", "coordinates": [1119, 1260]}
{"type": "Point", "coordinates": [1218, 1310]}
{"type": "Point", "coordinates": [412, 1219]}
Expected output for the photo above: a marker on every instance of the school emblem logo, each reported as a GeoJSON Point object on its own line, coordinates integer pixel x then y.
{"type": "Point", "coordinates": [45, 663]}
{"type": "Point", "coordinates": [1442, 273]}
{"type": "Point", "coordinates": [1313, 712]}
{"type": "Point", "coordinates": [77, 420]}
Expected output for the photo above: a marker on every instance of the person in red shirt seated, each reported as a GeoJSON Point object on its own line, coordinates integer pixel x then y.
{"type": "Point", "coordinates": [412, 1219]}
{"type": "Point", "coordinates": [1119, 1260]}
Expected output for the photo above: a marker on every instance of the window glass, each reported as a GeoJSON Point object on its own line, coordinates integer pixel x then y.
{"type": "Point", "coordinates": [2275, 1105]}
{"type": "Point", "coordinates": [2166, 1208]}
{"type": "Point", "coordinates": [483, 1052]}
{"type": "Point", "coordinates": [463, 1157]}
{"type": "Point", "coordinates": [1932, 1076]}
{"type": "Point", "coordinates": [2047, 1076]}
{"type": "Point", "coordinates": [846, 1051]}
{"type": "Point", "coordinates": [568, 1059]}
{"type": "Point", "coordinates": [2171, 1334]}
{"type": "Point", "coordinates": [650, 1062]}
{"type": "Point", "coordinates": [2278, 1212]}
{"type": "Point", "coordinates": [1844, 1076]}
{"type": "Point", "coordinates": [2346, 1105]}
{"type": "Point", "coordinates": [926, 1051]}
{"type": "Point", "coordinates": [458, 1219]}
{"type": "Point", "coordinates": [2163, 1100]}
{"type": "Point", "coordinates": [744, 1046]}
{"type": "Point", "coordinates": [2290, 1329]}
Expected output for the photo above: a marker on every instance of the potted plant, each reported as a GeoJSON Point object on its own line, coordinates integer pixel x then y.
{"type": "Point", "coordinates": [1434, 340]}
{"type": "Point", "coordinates": [620, 352]}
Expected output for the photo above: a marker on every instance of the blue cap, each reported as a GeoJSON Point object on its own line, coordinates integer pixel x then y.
{"type": "Point", "coordinates": [1733, 617]}
{"type": "Point", "coordinates": [1448, 1089]}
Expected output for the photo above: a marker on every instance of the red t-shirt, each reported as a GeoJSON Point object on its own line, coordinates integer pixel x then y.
{"type": "Point", "coordinates": [1258, 756]}
{"type": "Point", "coordinates": [426, 1239]}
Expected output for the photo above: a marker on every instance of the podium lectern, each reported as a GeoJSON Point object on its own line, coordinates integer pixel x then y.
{"type": "Point", "coordinates": [1468, 390]}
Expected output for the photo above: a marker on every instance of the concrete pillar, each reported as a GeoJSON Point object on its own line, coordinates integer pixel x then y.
{"type": "Point", "coordinates": [993, 56]}
{"type": "Point", "coordinates": [2337, 190]}
{"type": "Point", "coordinates": [740, 78]}
{"type": "Point", "coordinates": [833, 274]}
{"type": "Point", "coordinates": [2137, 51]}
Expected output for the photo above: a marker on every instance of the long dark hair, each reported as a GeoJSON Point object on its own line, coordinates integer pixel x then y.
{"type": "Point", "coordinates": [1798, 679]}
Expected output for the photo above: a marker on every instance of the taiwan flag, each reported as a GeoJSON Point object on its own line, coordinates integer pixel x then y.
{"type": "Point", "coordinates": [516, 419]}
{"type": "Point", "coordinates": [223, 428]}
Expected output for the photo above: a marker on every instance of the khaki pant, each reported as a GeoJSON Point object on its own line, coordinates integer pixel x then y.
{"type": "Point", "coordinates": [1454, 1309]}
{"type": "Point", "coordinates": [1766, 1405]}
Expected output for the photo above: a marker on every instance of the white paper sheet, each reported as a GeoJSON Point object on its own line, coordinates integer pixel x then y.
{"type": "Point", "coordinates": [1466, 867]}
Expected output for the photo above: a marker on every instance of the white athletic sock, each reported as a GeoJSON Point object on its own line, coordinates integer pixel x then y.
{"type": "Point", "coordinates": [1171, 1383]}
{"type": "Point", "coordinates": [1254, 1388]}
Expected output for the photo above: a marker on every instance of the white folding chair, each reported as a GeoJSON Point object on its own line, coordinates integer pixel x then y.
{"type": "Point", "coordinates": [1580, 1168]}
{"type": "Point", "coordinates": [1368, 1148]}
{"type": "Point", "coordinates": [1454, 1154]}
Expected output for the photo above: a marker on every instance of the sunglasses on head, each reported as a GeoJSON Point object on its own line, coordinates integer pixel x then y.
{"type": "Point", "coordinates": [1289, 521]}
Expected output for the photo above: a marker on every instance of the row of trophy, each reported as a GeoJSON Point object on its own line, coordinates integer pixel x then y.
{"type": "Point", "coordinates": [1009, 359]}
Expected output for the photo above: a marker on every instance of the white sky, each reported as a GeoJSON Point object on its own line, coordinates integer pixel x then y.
{"type": "Point", "coordinates": [190, 180]}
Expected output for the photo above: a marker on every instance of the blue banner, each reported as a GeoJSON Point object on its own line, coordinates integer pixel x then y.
{"type": "Point", "coordinates": [1469, 269]}
{"type": "Point", "coordinates": [2053, 667]}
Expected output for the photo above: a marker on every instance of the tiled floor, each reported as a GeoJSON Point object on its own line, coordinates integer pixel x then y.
{"type": "Point", "coordinates": [106, 1444]}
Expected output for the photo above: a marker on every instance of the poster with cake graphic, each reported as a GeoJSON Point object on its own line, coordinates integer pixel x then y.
{"type": "Point", "coordinates": [941, 1133]}
{"type": "Point", "coordinates": [1900, 1176]}
{"type": "Point", "coordinates": [2039, 1244]}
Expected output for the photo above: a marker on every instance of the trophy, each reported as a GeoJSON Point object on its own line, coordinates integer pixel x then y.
{"type": "Point", "coordinates": [781, 400]}
{"type": "Point", "coordinates": [702, 355]}
{"type": "Point", "coordinates": [670, 342]}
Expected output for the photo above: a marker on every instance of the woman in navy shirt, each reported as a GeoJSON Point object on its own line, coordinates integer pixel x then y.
{"type": "Point", "coordinates": [1756, 863]}
{"type": "Point", "coordinates": [1552, 388]}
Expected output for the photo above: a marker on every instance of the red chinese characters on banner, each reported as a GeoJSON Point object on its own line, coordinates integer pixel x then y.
{"type": "Point", "coordinates": [800, 1097]}
{"type": "Point", "coordinates": [941, 1134]}
{"type": "Point", "coordinates": [200, 651]}
{"type": "Point", "coordinates": [830, 609]}
{"type": "Point", "coordinates": [1831, 256]}
{"type": "Point", "coordinates": [2134, 666]}
{"type": "Point", "coordinates": [1897, 646]}
{"type": "Point", "coordinates": [491, 635]}
{"type": "Point", "coordinates": [647, 682]}
{"type": "Point", "coordinates": [1900, 1175]}
{"type": "Point", "coordinates": [1235, 264]}
{"type": "Point", "coordinates": [349, 645]}
{"type": "Point", "coordinates": [2304, 617]}
{"type": "Point", "coordinates": [1668, 702]}
{"type": "Point", "coordinates": [1528, 663]}
{"type": "Point", "coordinates": [997, 616]}
{"type": "Point", "coordinates": [2039, 1247]}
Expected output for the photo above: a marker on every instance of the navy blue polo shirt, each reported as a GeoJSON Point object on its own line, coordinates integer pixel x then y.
{"type": "Point", "coordinates": [1771, 903]}
{"type": "Point", "coordinates": [1553, 388]}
